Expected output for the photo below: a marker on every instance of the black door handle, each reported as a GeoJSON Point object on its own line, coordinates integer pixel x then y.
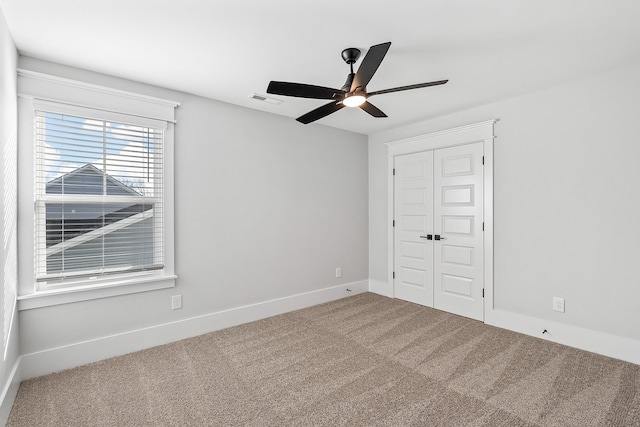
{"type": "Point", "coordinates": [428, 237]}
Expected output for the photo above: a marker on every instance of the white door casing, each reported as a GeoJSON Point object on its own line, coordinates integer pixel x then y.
{"type": "Point", "coordinates": [476, 251]}
{"type": "Point", "coordinates": [458, 219]}
{"type": "Point", "coordinates": [414, 218]}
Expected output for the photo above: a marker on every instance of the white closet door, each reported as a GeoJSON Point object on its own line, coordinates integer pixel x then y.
{"type": "Point", "coordinates": [458, 219]}
{"type": "Point", "coordinates": [413, 213]}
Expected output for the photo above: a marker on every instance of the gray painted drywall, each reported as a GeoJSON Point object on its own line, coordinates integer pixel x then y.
{"type": "Point", "coordinates": [264, 208]}
{"type": "Point", "coordinates": [8, 190]}
{"type": "Point", "coordinates": [566, 200]}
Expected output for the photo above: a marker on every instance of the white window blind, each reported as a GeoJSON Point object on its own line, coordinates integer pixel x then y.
{"type": "Point", "coordinates": [99, 194]}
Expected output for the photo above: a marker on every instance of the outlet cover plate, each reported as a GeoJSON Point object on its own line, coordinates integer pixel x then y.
{"type": "Point", "coordinates": [176, 302]}
{"type": "Point", "coordinates": [558, 304]}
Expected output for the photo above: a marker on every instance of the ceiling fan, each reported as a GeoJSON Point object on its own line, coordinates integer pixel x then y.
{"type": "Point", "coordinates": [354, 91]}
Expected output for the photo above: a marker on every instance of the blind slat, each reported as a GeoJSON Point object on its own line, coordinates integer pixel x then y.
{"type": "Point", "coordinates": [99, 205]}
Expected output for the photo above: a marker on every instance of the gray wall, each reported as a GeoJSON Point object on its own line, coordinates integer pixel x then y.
{"type": "Point", "coordinates": [8, 191]}
{"type": "Point", "coordinates": [566, 206]}
{"type": "Point", "coordinates": [264, 208]}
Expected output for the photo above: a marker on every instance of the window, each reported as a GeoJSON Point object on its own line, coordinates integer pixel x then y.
{"type": "Point", "coordinates": [95, 176]}
{"type": "Point", "coordinates": [98, 195]}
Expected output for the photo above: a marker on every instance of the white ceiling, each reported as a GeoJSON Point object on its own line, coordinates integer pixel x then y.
{"type": "Point", "coordinates": [226, 50]}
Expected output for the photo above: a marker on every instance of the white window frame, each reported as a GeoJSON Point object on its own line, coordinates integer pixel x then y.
{"type": "Point", "coordinates": [36, 90]}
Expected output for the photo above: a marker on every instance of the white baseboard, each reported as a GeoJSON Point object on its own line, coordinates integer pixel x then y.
{"type": "Point", "coordinates": [10, 391]}
{"type": "Point", "coordinates": [77, 354]}
{"type": "Point", "coordinates": [81, 353]}
{"type": "Point", "coordinates": [380, 288]}
{"type": "Point", "coordinates": [573, 336]}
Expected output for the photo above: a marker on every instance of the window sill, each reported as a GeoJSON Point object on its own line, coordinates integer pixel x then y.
{"type": "Point", "coordinates": [126, 286]}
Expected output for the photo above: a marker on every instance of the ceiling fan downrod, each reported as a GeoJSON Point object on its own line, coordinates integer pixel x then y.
{"type": "Point", "coordinates": [350, 56]}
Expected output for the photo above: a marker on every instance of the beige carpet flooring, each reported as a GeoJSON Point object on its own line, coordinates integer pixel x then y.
{"type": "Point", "coordinates": [366, 360]}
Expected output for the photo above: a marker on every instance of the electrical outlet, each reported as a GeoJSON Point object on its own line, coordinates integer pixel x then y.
{"type": "Point", "coordinates": [176, 302]}
{"type": "Point", "coordinates": [338, 272]}
{"type": "Point", "coordinates": [558, 304]}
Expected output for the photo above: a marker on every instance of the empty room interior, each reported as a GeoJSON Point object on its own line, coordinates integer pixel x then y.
{"type": "Point", "coordinates": [320, 213]}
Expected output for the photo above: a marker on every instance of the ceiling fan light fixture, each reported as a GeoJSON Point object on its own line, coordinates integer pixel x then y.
{"type": "Point", "coordinates": [354, 100]}
{"type": "Point", "coordinates": [353, 93]}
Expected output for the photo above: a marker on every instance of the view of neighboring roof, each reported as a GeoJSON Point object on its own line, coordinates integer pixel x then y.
{"type": "Point", "coordinates": [71, 224]}
{"type": "Point", "coordinates": [88, 179]}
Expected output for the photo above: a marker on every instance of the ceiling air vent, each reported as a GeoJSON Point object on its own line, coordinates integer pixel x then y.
{"type": "Point", "coordinates": [265, 98]}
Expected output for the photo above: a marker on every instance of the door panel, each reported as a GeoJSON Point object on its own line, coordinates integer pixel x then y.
{"type": "Point", "coordinates": [457, 255]}
{"type": "Point", "coordinates": [458, 216]}
{"type": "Point", "coordinates": [458, 224]}
{"type": "Point", "coordinates": [457, 195]}
{"type": "Point", "coordinates": [413, 213]}
{"type": "Point", "coordinates": [457, 286]}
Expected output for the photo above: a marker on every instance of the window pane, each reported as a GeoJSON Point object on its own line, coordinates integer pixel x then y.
{"type": "Point", "coordinates": [88, 156]}
{"type": "Point", "coordinates": [96, 236]}
{"type": "Point", "coordinates": [87, 169]}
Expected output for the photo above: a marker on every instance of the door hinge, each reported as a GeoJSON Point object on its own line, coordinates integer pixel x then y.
{"type": "Point", "coordinates": [394, 223]}
{"type": "Point", "coordinates": [394, 170]}
{"type": "Point", "coordinates": [483, 160]}
{"type": "Point", "coordinates": [483, 226]}
{"type": "Point", "coordinates": [482, 292]}
{"type": "Point", "coordinates": [394, 274]}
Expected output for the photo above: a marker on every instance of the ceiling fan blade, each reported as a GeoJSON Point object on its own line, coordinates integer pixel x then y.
{"type": "Point", "coordinates": [320, 112]}
{"type": "Point", "coordinates": [369, 65]}
{"type": "Point", "coordinates": [372, 109]}
{"type": "Point", "coordinates": [409, 87]}
{"type": "Point", "coordinates": [302, 90]}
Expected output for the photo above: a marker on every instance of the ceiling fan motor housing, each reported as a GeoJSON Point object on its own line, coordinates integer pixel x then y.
{"type": "Point", "coordinates": [347, 85]}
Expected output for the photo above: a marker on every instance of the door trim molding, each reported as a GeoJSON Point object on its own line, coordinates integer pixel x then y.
{"type": "Point", "coordinates": [475, 132]}
{"type": "Point", "coordinates": [462, 135]}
